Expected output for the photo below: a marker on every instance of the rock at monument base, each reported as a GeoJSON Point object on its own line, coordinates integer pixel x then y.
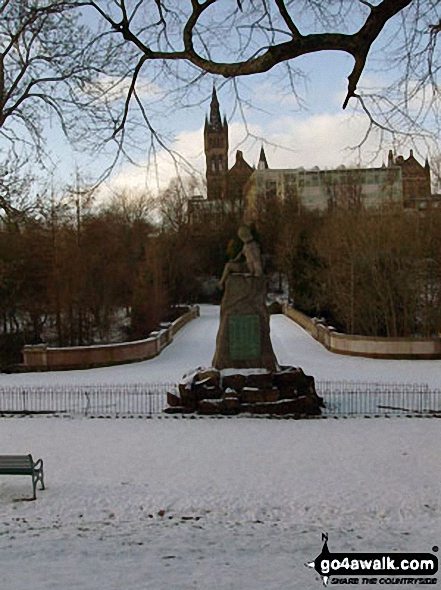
{"type": "Point", "coordinates": [179, 410]}
{"type": "Point", "coordinates": [210, 376]}
{"type": "Point", "coordinates": [184, 388]}
{"type": "Point", "coordinates": [278, 408]}
{"type": "Point", "coordinates": [173, 400]}
{"type": "Point", "coordinates": [209, 407]}
{"type": "Point", "coordinates": [207, 390]}
{"type": "Point", "coordinates": [287, 391]}
{"type": "Point", "coordinates": [231, 405]}
{"type": "Point", "coordinates": [260, 380]}
{"type": "Point", "coordinates": [252, 395]}
{"type": "Point", "coordinates": [236, 381]}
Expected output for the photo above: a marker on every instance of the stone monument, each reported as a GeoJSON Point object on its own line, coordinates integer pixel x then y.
{"type": "Point", "coordinates": [243, 339]}
{"type": "Point", "coordinates": [245, 376]}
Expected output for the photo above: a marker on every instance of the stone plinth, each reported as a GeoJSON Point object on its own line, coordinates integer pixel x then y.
{"type": "Point", "coordinates": [243, 339]}
{"type": "Point", "coordinates": [287, 391]}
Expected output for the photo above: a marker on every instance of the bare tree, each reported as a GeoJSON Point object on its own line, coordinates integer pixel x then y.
{"type": "Point", "coordinates": [173, 202]}
{"type": "Point", "coordinates": [52, 64]}
{"type": "Point", "coordinates": [16, 199]}
{"type": "Point", "coordinates": [183, 41]}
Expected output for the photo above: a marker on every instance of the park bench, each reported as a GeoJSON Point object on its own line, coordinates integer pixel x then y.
{"type": "Point", "coordinates": [23, 465]}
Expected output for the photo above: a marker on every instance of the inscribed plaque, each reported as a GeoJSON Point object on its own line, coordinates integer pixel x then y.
{"type": "Point", "coordinates": [244, 337]}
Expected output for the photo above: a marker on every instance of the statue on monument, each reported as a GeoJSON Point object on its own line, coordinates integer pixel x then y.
{"type": "Point", "coordinates": [243, 339]}
{"type": "Point", "coordinates": [252, 264]}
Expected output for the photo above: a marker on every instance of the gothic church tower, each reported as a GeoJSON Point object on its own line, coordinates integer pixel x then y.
{"type": "Point", "coordinates": [216, 152]}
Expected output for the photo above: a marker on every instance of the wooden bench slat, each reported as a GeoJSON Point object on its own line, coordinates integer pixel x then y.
{"type": "Point", "coordinates": [16, 472]}
{"type": "Point", "coordinates": [15, 466]}
{"type": "Point", "coordinates": [16, 462]}
{"type": "Point", "coordinates": [20, 463]}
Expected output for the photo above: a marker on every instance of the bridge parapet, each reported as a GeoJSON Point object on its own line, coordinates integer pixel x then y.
{"type": "Point", "coordinates": [41, 357]}
{"type": "Point", "coordinates": [366, 346]}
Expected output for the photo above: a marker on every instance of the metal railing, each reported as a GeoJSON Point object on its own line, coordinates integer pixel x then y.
{"type": "Point", "coordinates": [350, 398]}
{"type": "Point", "coordinates": [342, 398]}
{"type": "Point", "coordinates": [137, 399]}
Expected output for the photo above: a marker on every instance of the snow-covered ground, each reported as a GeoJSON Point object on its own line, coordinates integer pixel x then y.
{"type": "Point", "coordinates": [176, 504]}
{"type": "Point", "coordinates": [194, 346]}
{"type": "Point", "coordinates": [232, 503]}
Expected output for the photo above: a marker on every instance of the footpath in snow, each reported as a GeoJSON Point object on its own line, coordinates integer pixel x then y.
{"type": "Point", "coordinates": [194, 346]}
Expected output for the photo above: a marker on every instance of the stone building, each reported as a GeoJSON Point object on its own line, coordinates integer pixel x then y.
{"type": "Point", "coordinates": [415, 179]}
{"type": "Point", "coordinates": [403, 183]}
{"type": "Point", "coordinates": [324, 190]}
{"type": "Point", "coordinates": [241, 191]}
{"type": "Point", "coordinates": [224, 185]}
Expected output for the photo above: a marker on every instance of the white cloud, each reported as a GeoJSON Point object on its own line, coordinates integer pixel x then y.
{"type": "Point", "coordinates": [316, 140]}
{"type": "Point", "coordinates": [322, 140]}
{"type": "Point", "coordinates": [185, 157]}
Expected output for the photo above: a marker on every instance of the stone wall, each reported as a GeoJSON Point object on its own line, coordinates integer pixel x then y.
{"type": "Point", "coordinates": [41, 357]}
{"type": "Point", "coordinates": [367, 346]}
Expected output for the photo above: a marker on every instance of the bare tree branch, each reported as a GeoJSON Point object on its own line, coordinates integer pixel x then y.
{"type": "Point", "coordinates": [51, 61]}
{"type": "Point", "coordinates": [129, 94]}
{"type": "Point", "coordinates": [287, 18]}
{"type": "Point", "coordinates": [265, 58]}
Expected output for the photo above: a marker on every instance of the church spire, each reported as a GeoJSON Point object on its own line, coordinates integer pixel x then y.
{"type": "Point", "coordinates": [216, 151]}
{"type": "Point", "coordinates": [390, 159]}
{"type": "Point", "coordinates": [262, 164]}
{"type": "Point", "coordinates": [215, 117]}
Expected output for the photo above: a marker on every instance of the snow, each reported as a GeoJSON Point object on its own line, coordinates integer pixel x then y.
{"type": "Point", "coordinates": [245, 501]}
{"type": "Point", "coordinates": [293, 345]}
{"type": "Point", "coordinates": [226, 372]}
{"type": "Point", "coordinates": [206, 503]}
{"type": "Point", "coordinates": [194, 347]}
